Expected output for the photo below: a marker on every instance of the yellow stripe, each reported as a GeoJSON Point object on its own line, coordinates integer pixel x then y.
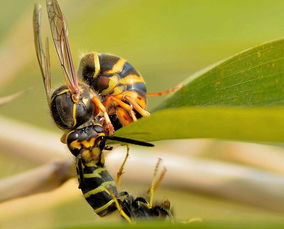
{"type": "Point", "coordinates": [96, 173]}
{"type": "Point", "coordinates": [97, 64]}
{"type": "Point", "coordinates": [75, 145]}
{"type": "Point", "coordinates": [113, 81]}
{"type": "Point", "coordinates": [131, 79]}
{"type": "Point", "coordinates": [102, 188]}
{"type": "Point", "coordinates": [60, 93]}
{"type": "Point", "coordinates": [91, 164]}
{"type": "Point", "coordinates": [117, 67]}
{"type": "Point", "coordinates": [88, 143]}
{"type": "Point", "coordinates": [74, 114]}
{"type": "Point", "coordinates": [63, 91]}
{"type": "Point", "coordinates": [100, 209]}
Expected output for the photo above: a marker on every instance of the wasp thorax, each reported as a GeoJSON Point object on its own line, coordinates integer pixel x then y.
{"type": "Point", "coordinates": [69, 113]}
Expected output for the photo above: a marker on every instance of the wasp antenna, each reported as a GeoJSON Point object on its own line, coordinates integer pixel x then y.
{"type": "Point", "coordinates": [130, 141]}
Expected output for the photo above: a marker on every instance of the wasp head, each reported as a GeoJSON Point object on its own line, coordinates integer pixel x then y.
{"type": "Point", "coordinates": [69, 111]}
{"type": "Point", "coordinates": [88, 140]}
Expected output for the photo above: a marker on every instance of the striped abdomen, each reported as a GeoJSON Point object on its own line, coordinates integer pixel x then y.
{"type": "Point", "coordinates": [118, 83]}
{"type": "Point", "coordinates": [110, 75]}
{"type": "Point", "coordinates": [97, 186]}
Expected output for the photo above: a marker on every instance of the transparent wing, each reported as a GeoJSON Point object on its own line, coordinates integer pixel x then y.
{"type": "Point", "coordinates": [42, 55]}
{"type": "Point", "coordinates": [60, 38]}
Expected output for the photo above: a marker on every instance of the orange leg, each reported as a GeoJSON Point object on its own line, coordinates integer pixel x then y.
{"type": "Point", "coordinates": [123, 116]}
{"type": "Point", "coordinates": [137, 107]}
{"type": "Point", "coordinates": [165, 92]}
{"type": "Point", "coordinates": [102, 109]}
{"type": "Point", "coordinates": [112, 99]}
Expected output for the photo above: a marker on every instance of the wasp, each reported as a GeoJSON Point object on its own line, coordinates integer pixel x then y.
{"type": "Point", "coordinates": [97, 185]}
{"type": "Point", "coordinates": [106, 86]}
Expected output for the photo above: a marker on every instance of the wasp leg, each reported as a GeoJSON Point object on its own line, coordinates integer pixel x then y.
{"type": "Point", "coordinates": [113, 99]}
{"type": "Point", "coordinates": [101, 107]}
{"type": "Point", "coordinates": [137, 107]}
{"type": "Point", "coordinates": [171, 90]}
{"type": "Point", "coordinates": [119, 209]}
{"type": "Point", "coordinates": [120, 171]}
{"type": "Point", "coordinates": [155, 183]}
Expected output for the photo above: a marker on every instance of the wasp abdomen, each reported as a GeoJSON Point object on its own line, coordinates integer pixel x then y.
{"type": "Point", "coordinates": [108, 74]}
{"type": "Point", "coordinates": [98, 187]}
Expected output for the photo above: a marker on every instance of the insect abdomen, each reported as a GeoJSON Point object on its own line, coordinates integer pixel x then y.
{"type": "Point", "coordinates": [96, 185]}
{"type": "Point", "coordinates": [110, 75]}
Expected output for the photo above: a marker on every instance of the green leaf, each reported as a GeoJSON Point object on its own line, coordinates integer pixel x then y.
{"type": "Point", "coordinates": [250, 124]}
{"type": "Point", "coordinates": [252, 77]}
{"type": "Point", "coordinates": [228, 101]}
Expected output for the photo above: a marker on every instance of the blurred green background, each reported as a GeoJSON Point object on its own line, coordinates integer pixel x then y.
{"type": "Point", "coordinates": [165, 40]}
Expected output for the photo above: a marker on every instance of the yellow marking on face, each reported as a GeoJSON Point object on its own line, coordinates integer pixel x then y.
{"type": "Point", "coordinates": [88, 143]}
{"type": "Point", "coordinates": [96, 151]}
{"type": "Point", "coordinates": [86, 155]}
{"type": "Point", "coordinates": [76, 144]}
{"type": "Point", "coordinates": [100, 209]}
{"type": "Point", "coordinates": [97, 64]}
{"type": "Point", "coordinates": [96, 173]}
{"type": "Point", "coordinates": [117, 67]}
{"type": "Point", "coordinates": [101, 134]}
{"type": "Point", "coordinates": [131, 79]}
{"type": "Point", "coordinates": [102, 188]}
{"type": "Point", "coordinates": [113, 81]}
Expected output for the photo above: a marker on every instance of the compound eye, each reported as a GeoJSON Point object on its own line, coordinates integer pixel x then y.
{"type": "Point", "coordinates": [62, 108]}
{"type": "Point", "coordinates": [69, 113]}
{"type": "Point", "coordinates": [83, 112]}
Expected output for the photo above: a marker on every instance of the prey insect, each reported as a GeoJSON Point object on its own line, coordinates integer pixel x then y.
{"type": "Point", "coordinates": [106, 86]}
{"type": "Point", "coordinates": [97, 185]}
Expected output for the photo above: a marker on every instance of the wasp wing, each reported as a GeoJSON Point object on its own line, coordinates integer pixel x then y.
{"type": "Point", "coordinates": [42, 55]}
{"type": "Point", "coordinates": [60, 38]}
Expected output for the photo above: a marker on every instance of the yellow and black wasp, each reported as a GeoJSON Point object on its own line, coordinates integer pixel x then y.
{"type": "Point", "coordinates": [71, 107]}
{"type": "Point", "coordinates": [98, 187]}
{"type": "Point", "coordinates": [106, 85]}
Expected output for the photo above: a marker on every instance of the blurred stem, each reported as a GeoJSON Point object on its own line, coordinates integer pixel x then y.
{"type": "Point", "coordinates": [266, 157]}
{"type": "Point", "coordinates": [11, 209]}
{"type": "Point", "coordinates": [27, 142]}
{"type": "Point", "coordinates": [9, 98]}
{"type": "Point", "coordinates": [41, 179]}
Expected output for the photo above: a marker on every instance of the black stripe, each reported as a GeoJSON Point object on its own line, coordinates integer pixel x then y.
{"type": "Point", "coordinates": [138, 87]}
{"type": "Point", "coordinates": [127, 70]}
{"type": "Point", "coordinates": [107, 61]}
{"type": "Point", "coordinates": [89, 184]}
{"type": "Point", "coordinates": [101, 198]}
